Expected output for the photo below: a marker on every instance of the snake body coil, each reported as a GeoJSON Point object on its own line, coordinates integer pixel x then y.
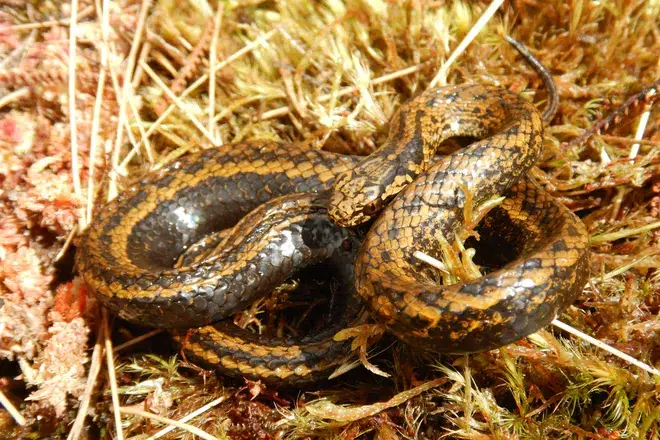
{"type": "Point", "coordinates": [552, 259]}
{"type": "Point", "coordinates": [127, 254]}
{"type": "Point", "coordinates": [284, 196]}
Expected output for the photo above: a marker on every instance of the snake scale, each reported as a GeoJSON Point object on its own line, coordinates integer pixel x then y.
{"type": "Point", "coordinates": [280, 207]}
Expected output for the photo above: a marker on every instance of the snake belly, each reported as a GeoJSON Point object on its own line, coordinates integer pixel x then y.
{"type": "Point", "coordinates": [428, 202]}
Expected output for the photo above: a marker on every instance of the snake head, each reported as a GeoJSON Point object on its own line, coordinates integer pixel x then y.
{"type": "Point", "coordinates": [353, 200]}
{"type": "Point", "coordinates": [359, 195]}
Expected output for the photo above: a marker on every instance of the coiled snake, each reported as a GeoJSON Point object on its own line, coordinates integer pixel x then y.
{"type": "Point", "coordinates": [288, 206]}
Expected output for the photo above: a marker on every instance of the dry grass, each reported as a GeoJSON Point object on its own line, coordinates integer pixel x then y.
{"type": "Point", "coordinates": [327, 74]}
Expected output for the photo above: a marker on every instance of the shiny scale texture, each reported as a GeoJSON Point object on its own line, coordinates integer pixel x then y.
{"type": "Point", "coordinates": [279, 201]}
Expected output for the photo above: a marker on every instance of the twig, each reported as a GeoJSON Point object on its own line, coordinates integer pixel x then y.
{"type": "Point", "coordinates": [62, 21]}
{"type": "Point", "coordinates": [96, 116]}
{"type": "Point", "coordinates": [468, 403]}
{"type": "Point", "coordinates": [639, 133]}
{"type": "Point", "coordinates": [182, 106]}
{"type": "Point", "coordinates": [622, 269]}
{"type": "Point", "coordinates": [96, 121]}
{"type": "Point", "coordinates": [213, 53]}
{"type": "Point", "coordinates": [191, 88]}
{"type": "Point", "coordinates": [113, 169]}
{"type": "Point", "coordinates": [191, 429]}
{"type": "Point", "coordinates": [130, 65]}
{"type": "Point", "coordinates": [109, 356]}
{"type": "Point", "coordinates": [139, 73]}
{"type": "Point", "coordinates": [441, 76]}
{"type": "Point", "coordinates": [75, 166]}
{"type": "Point", "coordinates": [67, 243]}
{"type": "Point", "coordinates": [10, 97]}
{"type": "Point", "coordinates": [647, 95]}
{"type": "Point", "coordinates": [94, 369]}
{"type": "Point", "coordinates": [137, 340]}
{"type": "Point", "coordinates": [605, 347]}
{"type": "Point", "coordinates": [624, 233]}
{"type": "Point", "coordinates": [190, 416]}
{"type": "Point", "coordinates": [11, 409]}
{"type": "Point", "coordinates": [18, 51]}
{"type": "Point", "coordinates": [432, 261]}
{"type": "Point", "coordinates": [138, 120]}
{"type": "Point", "coordinates": [625, 140]}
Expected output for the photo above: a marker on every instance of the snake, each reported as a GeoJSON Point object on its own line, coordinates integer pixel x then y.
{"type": "Point", "coordinates": [251, 214]}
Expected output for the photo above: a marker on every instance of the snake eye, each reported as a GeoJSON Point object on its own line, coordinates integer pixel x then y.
{"type": "Point", "coordinates": [346, 244]}
{"type": "Point", "coordinates": [371, 209]}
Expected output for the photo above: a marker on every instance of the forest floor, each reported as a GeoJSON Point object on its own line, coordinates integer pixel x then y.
{"type": "Point", "coordinates": [327, 74]}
